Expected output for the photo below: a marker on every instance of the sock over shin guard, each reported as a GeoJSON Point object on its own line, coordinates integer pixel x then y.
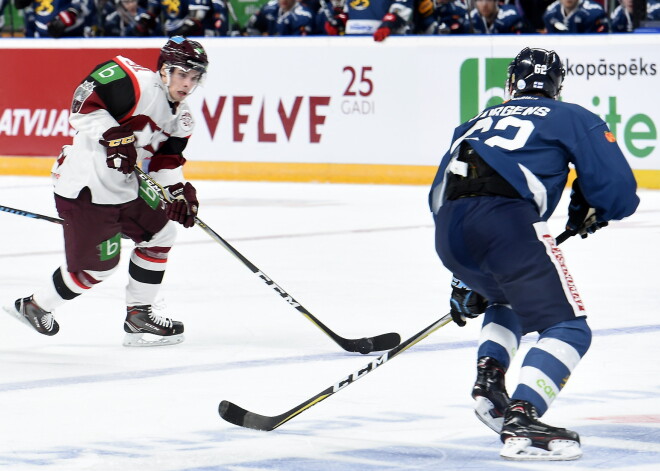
{"type": "Point", "coordinates": [548, 364]}
{"type": "Point", "coordinates": [145, 274]}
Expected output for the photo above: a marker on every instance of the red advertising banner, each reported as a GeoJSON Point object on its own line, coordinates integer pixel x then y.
{"type": "Point", "coordinates": [36, 91]}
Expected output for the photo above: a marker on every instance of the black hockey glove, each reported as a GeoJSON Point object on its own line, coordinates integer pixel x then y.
{"type": "Point", "coordinates": [120, 147]}
{"type": "Point", "coordinates": [64, 19]}
{"type": "Point", "coordinates": [582, 218]}
{"type": "Point", "coordinates": [183, 204]}
{"type": "Point", "coordinates": [464, 302]}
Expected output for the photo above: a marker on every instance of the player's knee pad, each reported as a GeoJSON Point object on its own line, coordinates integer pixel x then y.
{"type": "Point", "coordinates": [574, 332]}
{"type": "Point", "coordinates": [163, 238]}
{"type": "Point", "coordinates": [72, 284]}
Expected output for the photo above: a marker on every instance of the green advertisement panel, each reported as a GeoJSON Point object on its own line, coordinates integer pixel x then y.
{"type": "Point", "coordinates": [244, 9]}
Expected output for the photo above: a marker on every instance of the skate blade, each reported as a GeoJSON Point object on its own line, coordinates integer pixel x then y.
{"type": "Point", "coordinates": [521, 449]}
{"type": "Point", "coordinates": [11, 310]}
{"type": "Point", "coordinates": [482, 410]}
{"type": "Point", "coordinates": [150, 340]}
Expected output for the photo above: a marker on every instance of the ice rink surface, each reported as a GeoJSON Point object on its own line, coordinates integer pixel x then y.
{"type": "Point", "coordinates": [361, 259]}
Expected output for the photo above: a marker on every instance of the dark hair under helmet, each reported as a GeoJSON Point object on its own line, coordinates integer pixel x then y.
{"type": "Point", "coordinates": [536, 70]}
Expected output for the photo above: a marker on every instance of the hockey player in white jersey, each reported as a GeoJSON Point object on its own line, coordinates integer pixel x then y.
{"type": "Point", "coordinates": [123, 113]}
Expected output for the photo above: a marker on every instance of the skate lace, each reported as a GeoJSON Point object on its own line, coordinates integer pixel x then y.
{"type": "Point", "coordinates": [47, 320]}
{"type": "Point", "coordinates": [160, 320]}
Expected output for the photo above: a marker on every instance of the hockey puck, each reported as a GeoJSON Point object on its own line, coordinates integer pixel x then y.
{"type": "Point", "coordinates": [365, 346]}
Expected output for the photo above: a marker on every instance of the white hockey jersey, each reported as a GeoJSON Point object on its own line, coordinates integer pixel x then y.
{"type": "Point", "coordinates": [121, 92]}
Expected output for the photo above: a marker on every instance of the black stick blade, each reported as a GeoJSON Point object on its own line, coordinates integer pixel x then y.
{"type": "Point", "coordinates": [371, 344]}
{"type": "Point", "coordinates": [386, 341]}
{"type": "Point", "coordinates": [238, 416]}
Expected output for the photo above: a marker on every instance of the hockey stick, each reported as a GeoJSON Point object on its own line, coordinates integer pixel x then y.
{"type": "Point", "coordinates": [20, 212]}
{"type": "Point", "coordinates": [563, 236]}
{"type": "Point", "coordinates": [364, 345]}
{"type": "Point", "coordinates": [244, 418]}
{"type": "Point", "coordinates": [239, 416]}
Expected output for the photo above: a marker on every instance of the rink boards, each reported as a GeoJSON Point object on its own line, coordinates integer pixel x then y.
{"type": "Point", "coordinates": [334, 109]}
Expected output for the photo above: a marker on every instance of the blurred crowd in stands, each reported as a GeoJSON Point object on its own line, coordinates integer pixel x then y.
{"type": "Point", "coordinates": [377, 18]}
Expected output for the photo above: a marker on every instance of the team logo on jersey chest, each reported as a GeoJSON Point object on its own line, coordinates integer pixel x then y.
{"type": "Point", "coordinates": [83, 92]}
{"type": "Point", "coordinates": [186, 121]}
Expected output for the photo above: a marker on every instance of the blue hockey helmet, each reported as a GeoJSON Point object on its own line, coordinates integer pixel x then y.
{"type": "Point", "coordinates": [536, 70]}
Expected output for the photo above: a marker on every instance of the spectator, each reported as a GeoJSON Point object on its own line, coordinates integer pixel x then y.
{"type": "Point", "coordinates": [281, 18]}
{"type": "Point", "coordinates": [575, 16]}
{"type": "Point", "coordinates": [490, 18]}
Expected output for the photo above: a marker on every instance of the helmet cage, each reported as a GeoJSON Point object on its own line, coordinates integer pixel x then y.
{"type": "Point", "coordinates": [536, 70]}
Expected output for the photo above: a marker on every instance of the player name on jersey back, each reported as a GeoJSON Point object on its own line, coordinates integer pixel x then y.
{"type": "Point", "coordinates": [511, 110]}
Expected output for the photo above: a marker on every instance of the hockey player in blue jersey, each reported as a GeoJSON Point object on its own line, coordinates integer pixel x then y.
{"type": "Point", "coordinates": [377, 18]}
{"type": "Point", "coordinates": [184, 18]}
{"type": "Point", "coordinates": [496, 187]}
{"type": "Point", "coordinates": [281, 18]}
{"type": "Point", "coordinates": [653, 11]}
{"type": "Point", "coordinates": [448, 17]}
{"type": "Point", "coordinates": [58, 18]}
{"type": "Point", "coordinates": [488, 17]}
{"type": "Point", "coordinates": [575, 16]}
{"type": "Point", "coordinates": [120, 17]}
{"type": "Point", "coordinates": [621, 19]}
{"type": "Point", "coordinates": [3, 5]}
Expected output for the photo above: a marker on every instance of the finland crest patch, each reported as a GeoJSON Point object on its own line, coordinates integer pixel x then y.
{"type": "Point", "coordinates": [83, 92]}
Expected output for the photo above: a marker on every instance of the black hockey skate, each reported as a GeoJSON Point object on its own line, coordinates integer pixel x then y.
{"type": "Point", "coordinates": [490, 393]}
{"type": "Point", "coordinates": [145, 329]}
{"type": "Point", "coordinates": [525, 438]}
{"type": "Point", "coordinates": [29, 312]}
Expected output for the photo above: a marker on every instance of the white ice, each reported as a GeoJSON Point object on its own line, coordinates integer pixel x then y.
{"type": "Point", "coordinates": [361, 259]}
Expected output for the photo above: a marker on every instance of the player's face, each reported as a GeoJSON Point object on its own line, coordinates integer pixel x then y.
{"type": "Point", "coordinates": [287, 4]}
{"type": "Point", "coordinates": [569, 4]}
{"type": "Point", "coordinates": [486, 8]}
{"type": "Point", "coordinates": [130, 6]}
{"type": "Point", "coordinates": [182, 82]}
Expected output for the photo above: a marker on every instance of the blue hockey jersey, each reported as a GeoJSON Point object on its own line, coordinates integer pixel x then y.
{"type": "Point", "coordinates": [588, 17]}
{"type": "Point", "coordinates": [450, 17]}
{"type": "Point", "coordinates": [271, 20]}
{"type": "Point", "coordinates": [621, 21]}
{"type": "Point", "coordinates": [530, 142]}
{"type": "Point", "coordinates": [365, 16]}
{"type": "Point", "coordinates": [41, 12]}
{"type": "Point", "coordinates": [117, 21]}
{"type": "Point", "coordinates": [174, 13]}
{"type": "Point", "coordinates": [507, 21]}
